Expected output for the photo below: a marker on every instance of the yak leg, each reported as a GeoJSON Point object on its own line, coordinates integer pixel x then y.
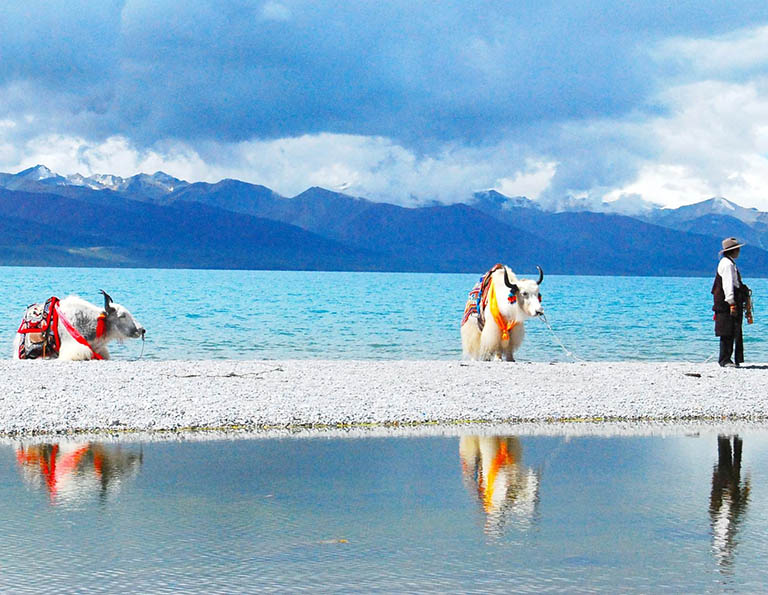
{"type": "Point", "coordinates": [470, 339]}
{"type": "Point", "coordinates": [74, 351]}
{"type": "Point", "coordinates": [71, 350]}
{"type": "Point", "coordinates": [490, 343]}
{"type": "Point", "coordinates": [516, 336]}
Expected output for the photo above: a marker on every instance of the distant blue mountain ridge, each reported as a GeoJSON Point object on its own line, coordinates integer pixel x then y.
{"type": "Point", "coordinates": [160, 221]}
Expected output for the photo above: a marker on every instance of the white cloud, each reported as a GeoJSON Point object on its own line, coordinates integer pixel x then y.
{"type": "Point", "coordinates": [710, 140]}
{"type": "Point", "coordinates": [531, 182]}
{"type": "Point", "coordinates": [740, 50]}
{"type": "Point", "coordinates": [374, 167]}
{"type": "Point", "coordinates": [669, 185]}
{"type": "Point", "coordinates": [274, 11]}
{"type": "Point", "coordinates": [68, 155]}
{"type": "Point", "coordinates": [713, 138]}
{"type": "Point", "coordinates": [713, 142]}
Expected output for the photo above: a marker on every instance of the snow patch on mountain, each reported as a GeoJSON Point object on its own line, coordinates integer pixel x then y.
{"type": "Point", "coordinates": [497, 200]}
{"type": "Point", "coordinates": [38, 172]}
{"type": "Point", "coordinates": [721, 203]}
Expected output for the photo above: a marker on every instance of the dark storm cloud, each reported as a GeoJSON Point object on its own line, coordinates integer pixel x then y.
{"type": "Point", "coordinates": [418, 72]}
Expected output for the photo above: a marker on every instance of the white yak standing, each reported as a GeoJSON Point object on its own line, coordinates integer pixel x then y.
{"type": "Point", "coordinates": [73, 329]}
{"type": "Point", "coordinates": [497, 307]}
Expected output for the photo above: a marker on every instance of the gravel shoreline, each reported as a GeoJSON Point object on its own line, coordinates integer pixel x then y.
{"type": "Point", "coordinates": [163, 396]}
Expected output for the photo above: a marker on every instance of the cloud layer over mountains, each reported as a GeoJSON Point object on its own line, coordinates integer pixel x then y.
{"type": "Point", "coordinates": [401, 101]}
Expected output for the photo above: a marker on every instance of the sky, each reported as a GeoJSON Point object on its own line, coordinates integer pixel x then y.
{"type": "Point", "coordinates": [403, 101]}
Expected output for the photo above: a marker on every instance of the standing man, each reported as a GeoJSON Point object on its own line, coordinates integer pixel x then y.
{"type": "Point", "coordinates": [729, 295]}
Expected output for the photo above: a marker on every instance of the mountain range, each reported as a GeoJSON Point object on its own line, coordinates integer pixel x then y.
{"type": "Point", "coordinates": [160, 221]}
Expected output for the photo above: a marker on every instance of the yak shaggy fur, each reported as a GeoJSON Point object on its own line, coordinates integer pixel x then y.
{"type": "Point", "coordinates": [487, 344]}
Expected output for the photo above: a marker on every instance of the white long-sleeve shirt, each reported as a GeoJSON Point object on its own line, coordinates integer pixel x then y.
{"type": "Point", "coordinates": [728, 272]}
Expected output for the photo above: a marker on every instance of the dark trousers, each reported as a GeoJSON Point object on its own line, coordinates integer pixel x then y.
{"type": "Point", "coordinates": [728, 343]}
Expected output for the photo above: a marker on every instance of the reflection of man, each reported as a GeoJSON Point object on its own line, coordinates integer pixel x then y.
{"type": "Point", "coordinates": [506, 489]}
{"type": "Point", "coordinates": [72, 470]}
{"type": "Point", "coordinates": [728, 500]}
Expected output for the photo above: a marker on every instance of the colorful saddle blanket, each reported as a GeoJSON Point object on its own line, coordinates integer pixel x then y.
{"type": "Point", "coordinates": [39, 330]}
{"type": "Point", "coordinates": [478, 298]}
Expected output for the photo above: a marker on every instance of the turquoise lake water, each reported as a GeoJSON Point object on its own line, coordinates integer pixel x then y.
{"type": "Point", "coordinates": [194, 314]}
{"type": "Point", "coordinates": [489, 514]}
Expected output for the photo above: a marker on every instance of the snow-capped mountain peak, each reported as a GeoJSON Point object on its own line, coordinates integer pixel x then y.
{"type": "Point", "coordinates": [106, 181]}
{"type": "Point", "coordinates": [715, 206]}
{"type": "Point", "coordinates": [38, 172]}
{"type": "Point", "coordinates": [722, 205]}
{"type": "Point", "coordinates": [156, 185]}
{"type": "Point", "coordinates": [35, 178]}
{"type": "Point", "coordinates": [37, 175]}
{"type": "Point", "coordinates": [494, 198]}
{"type": "Point", "coordinates": [95, 182]}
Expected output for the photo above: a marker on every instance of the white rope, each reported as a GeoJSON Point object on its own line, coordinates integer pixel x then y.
{"type": "Point", "coordinates": [568, 352]}
{"type": "Point", "coordinates": [578, 359]}
{"type": "Point", "coordinates": [706, 361]}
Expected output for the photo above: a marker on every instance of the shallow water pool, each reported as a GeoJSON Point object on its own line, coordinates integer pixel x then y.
{"type": "Point", "coordinates": [476, 513]}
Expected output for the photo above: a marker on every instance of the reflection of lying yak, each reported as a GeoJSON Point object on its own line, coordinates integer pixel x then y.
{"type": "Point", "coordinates": [72, 471]}
{"type": "Point", "coordinates": [73, 329]}
{"type": "Point", "coordinates": [492, 327]}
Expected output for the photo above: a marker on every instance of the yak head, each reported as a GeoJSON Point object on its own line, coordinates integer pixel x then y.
{"type": "Point", "coordinates": [120, 321]}
{"type": "Point", "coordinates": [523, 293]}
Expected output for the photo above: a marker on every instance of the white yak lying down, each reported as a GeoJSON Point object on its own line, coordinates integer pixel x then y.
{"type": "Point", "coordinates": [73, 329]}
{"type": "Point", "coordinates": [497, 307]}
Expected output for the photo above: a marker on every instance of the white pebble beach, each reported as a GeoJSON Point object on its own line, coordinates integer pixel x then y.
{"type": "Point", "coordinates": [262, 396]}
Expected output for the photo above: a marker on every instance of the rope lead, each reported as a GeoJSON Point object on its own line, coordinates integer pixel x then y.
{"type": "Point", "coordinates": [578, 359]}
{"type": "Point", "coordinates": [568, 352]}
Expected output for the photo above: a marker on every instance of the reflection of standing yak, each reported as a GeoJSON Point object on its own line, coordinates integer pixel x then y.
{"type": "Point", "coordinates": [729, 499]}
{"type": "Point", "coordinates": [72, 471]}
{"type": "Point", "coordinates": [493, 467]}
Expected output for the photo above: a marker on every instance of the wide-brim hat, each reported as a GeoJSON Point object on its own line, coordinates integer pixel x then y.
{"type": "Point", "coordinates": [731, 244]}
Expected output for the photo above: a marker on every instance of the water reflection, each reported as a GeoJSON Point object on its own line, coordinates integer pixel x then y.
{"type": "Point", "coordinates": [507, 490]}
{"type": "Point", "coordinates": [728, 501]}
{"type": "Point", "coordinates": [75, 471]}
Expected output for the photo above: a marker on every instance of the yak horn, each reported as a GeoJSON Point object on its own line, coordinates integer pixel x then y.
{"type": "Point", "coordinates": [107, 301]}
{"type": "Point", "coordinates": [541, 275]}
{"type": "Point", "coordinates": [507, 281]}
